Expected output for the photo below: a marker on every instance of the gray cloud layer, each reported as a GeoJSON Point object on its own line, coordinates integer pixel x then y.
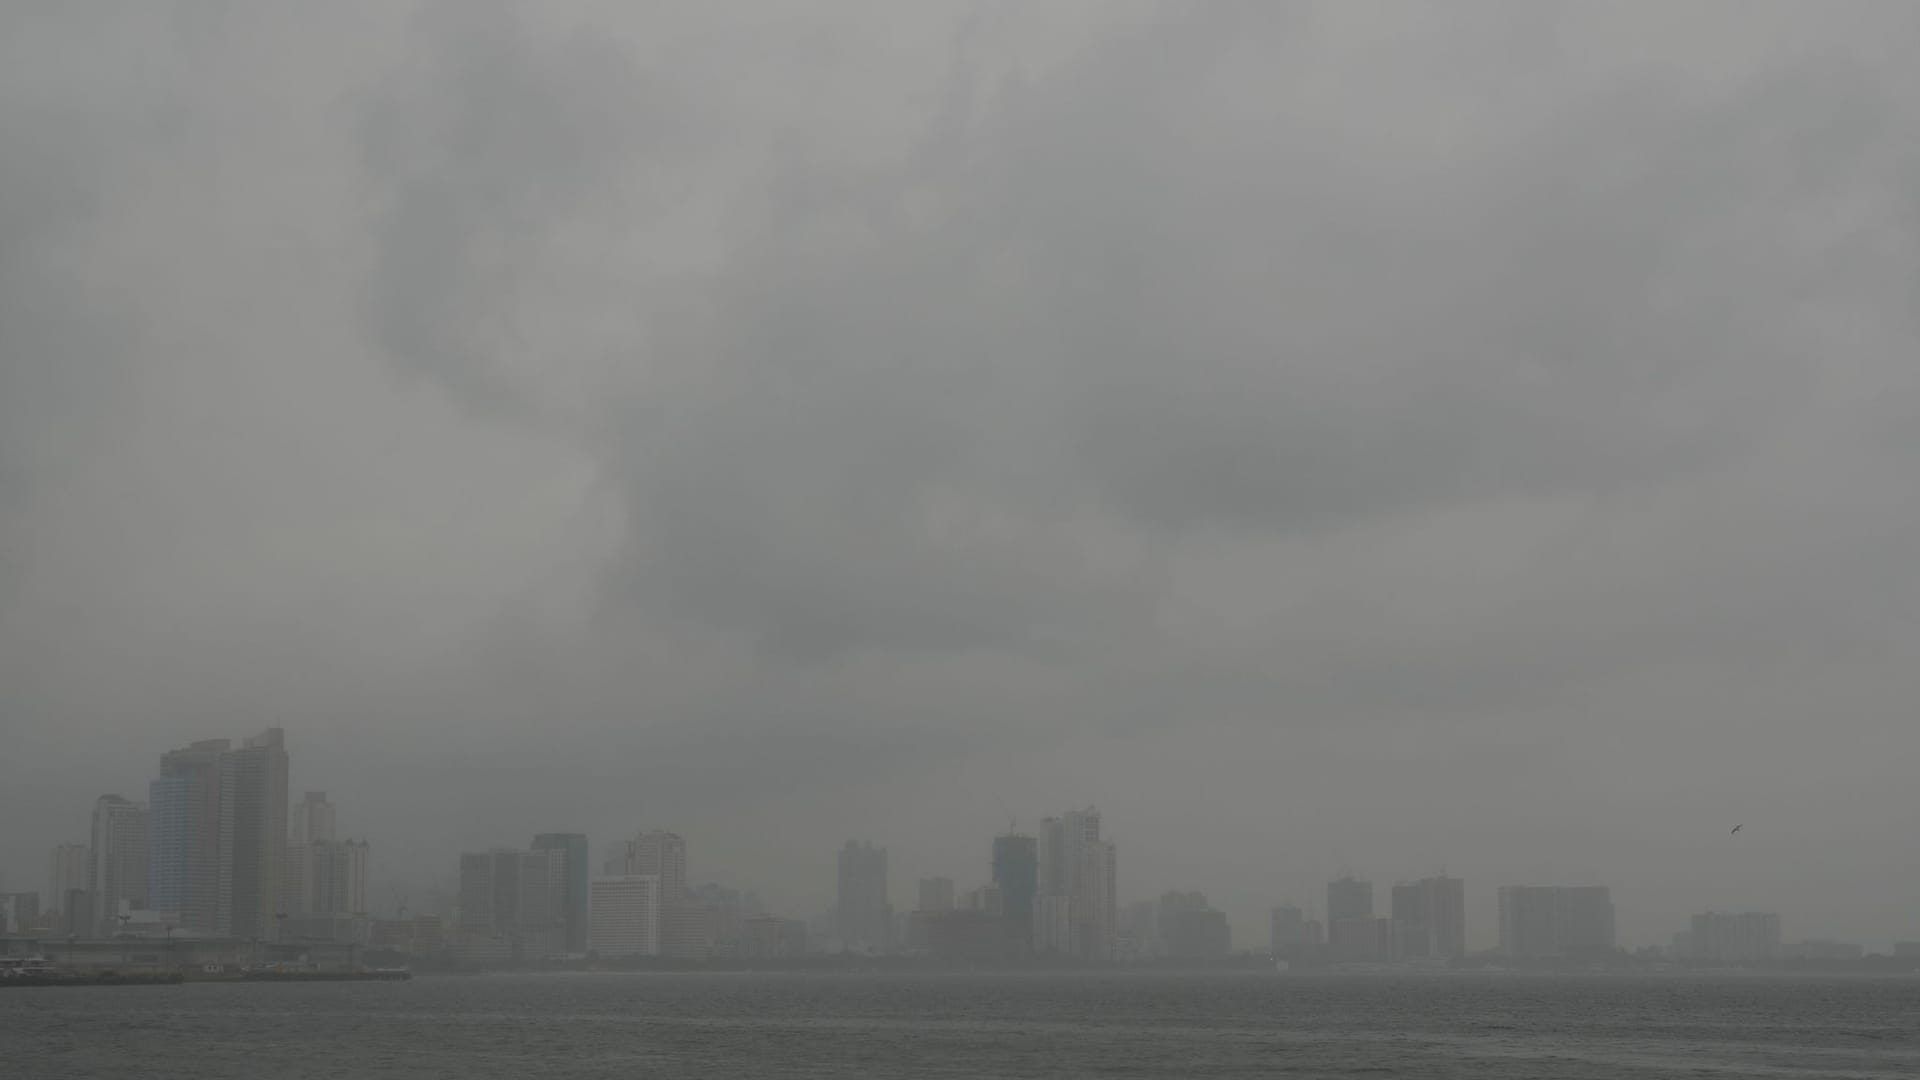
{"type": "Point", "coordinates": [1325, 436]}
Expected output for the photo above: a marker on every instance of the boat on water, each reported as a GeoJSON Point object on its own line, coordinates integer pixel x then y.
{"type": "Point", "coordinates": [23, 971]}
{"type": "Point", "coordinates": [13, 967]}
{"type": "Point", "coordinates": [283, 973]}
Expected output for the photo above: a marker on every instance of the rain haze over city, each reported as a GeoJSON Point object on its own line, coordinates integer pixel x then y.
{"type": "Point", "coordinates": [1341, 439]}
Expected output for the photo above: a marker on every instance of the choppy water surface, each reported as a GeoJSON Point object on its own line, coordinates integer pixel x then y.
{"type": "Point", "coordinates": [743, 1026]}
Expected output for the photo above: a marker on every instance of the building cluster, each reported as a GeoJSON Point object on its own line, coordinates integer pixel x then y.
{"type": "Point", "coordinates": [1051, 897]}
{"type": "Point", "coordinates": [1426, 921]}
{"type": "Point", "coordinates": [1725, 938]}
{"type": "Point", "coordinates": [210, 853]}
{"type": "Point", "coordinates": [545, 902]}
{"type": "Point", "coordinates": [216, 852]}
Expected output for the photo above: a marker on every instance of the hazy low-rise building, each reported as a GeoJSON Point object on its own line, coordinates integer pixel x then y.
{"type": "Point", "coordinates": [514, 894]}
{"type": "Point", "coordinates": [765, 937]}
{"type": "Point", "coordinates": [19, 912]}
{"type": "Point", "coordinates": [1053, 926]}
{"type": "Point", "coordinates": [1201, 934]}
{"type": "Point", "coordinates": [1822, 950]}
{"type": "Point", "coordinates": [987, 898]}
{"type": "Point", "coordinates": [1348, 898]}
{"type": "Point", "coordinates": [1286, 930]}
{"type": "Point", "coordinates": [1728, 938]}
{"type": "Point", "coordinates": [1362, 940]}
{"type": "Point", "coordinates": [1187, 927]}
{"type": "Point", "coordinates": [422, 935]}
{"type": "Point", "coordinates": [1412, 941]}
{"type": "Point", "coordinates": [726, 910]}
{"type": "Point", "coordinates": [686, 930]}
{"type": "Point", "coordinates": [326, 926]}
{"type": "Point", "coordinates": [67, 868]}
{"type": "Point", "coordinates": [624, 916]}
{"type": "Point", "coordinates": [1430, 918]}
{"type": "Point", "coordinates": [936, 894]}
{"type": "Point", "coordinates": [1549, 921]}
{"type": "Point", "coordinates": [963, 936]}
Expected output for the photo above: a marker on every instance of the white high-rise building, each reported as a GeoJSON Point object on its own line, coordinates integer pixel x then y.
{"type": "Point", "coordinates": [1076, 862]}
{"type": "Point", "coordinates": [623, 915]}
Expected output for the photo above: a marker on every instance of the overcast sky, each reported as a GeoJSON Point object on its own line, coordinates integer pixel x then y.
{"type": "Point", "coordinates": [1351, 436]}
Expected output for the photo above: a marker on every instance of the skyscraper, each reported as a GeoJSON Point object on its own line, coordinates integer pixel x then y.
{"type": "Point", "coordinates": [1076, 863]}
{"type": "Point", "coordinates": [191, 864]}
{"type": "Point", "coordinates": [259, 831]}
{"type": "Point", "coordinates": [1016, 869]}
{"type": "Point", "coordinates": [67, 870]}
{"type": "Point", "coordinates": [574, 890]}
{"type": "Point", "coordinates": [313, 827]}
{"type": "Point", "coordinates": [118, 875]}
{"type": "Point", "coordinates": [1552, 921]}
{"type": "Point", "coordinates": [862, 915]}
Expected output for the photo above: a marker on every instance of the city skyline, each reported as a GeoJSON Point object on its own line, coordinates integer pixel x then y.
{"type": "Point", "coordinates": [197, 794]}
{"type": "Point", "coordinates": [1319, 439]}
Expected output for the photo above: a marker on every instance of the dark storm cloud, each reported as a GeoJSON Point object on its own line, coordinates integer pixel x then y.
{"type": "Point", "coordinates": [901, 414]}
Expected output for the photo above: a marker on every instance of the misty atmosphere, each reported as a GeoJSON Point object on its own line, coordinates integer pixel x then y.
{"type": "Point", "coordinates": [1328, 443]}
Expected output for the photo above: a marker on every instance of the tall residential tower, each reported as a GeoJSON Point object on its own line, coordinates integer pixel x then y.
{"type": "Point", "coordinates": [191, 864]}
{"type": "Point", "coordinates": [573, 887]}
{"type": "Point", "coordinates": [259, 831]}
{"type": "Point", "coordinates": [117, 878]}
{"type": "Point", "coordinates": [863, 917]}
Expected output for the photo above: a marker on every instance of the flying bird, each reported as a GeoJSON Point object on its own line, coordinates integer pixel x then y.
{"type": "Point", "coordinates": [1736, 828]}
